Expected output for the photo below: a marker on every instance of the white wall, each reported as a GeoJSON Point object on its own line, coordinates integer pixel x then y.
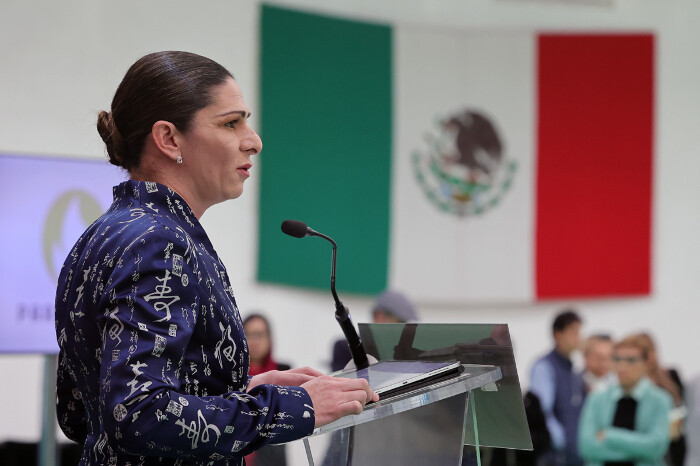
{"type": "Point", "coordinates": [61, 62]}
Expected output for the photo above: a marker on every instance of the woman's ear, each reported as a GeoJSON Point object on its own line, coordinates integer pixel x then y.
{"type": "Point", "coordinates": [166, 138]}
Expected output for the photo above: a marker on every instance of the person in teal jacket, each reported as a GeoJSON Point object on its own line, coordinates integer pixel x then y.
{"type": "Point", "coordinates": [627, 422]}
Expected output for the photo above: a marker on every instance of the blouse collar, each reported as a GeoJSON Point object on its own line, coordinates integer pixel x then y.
{"type": "Point", "coordinates": [158, 199]}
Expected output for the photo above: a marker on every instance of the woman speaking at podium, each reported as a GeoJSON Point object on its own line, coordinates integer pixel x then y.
{"type": "Point", "coordinates": [153, 362]}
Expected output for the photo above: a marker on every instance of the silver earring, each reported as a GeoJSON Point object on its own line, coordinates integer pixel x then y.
{"type": "Point", "coordinates": [179, 159]}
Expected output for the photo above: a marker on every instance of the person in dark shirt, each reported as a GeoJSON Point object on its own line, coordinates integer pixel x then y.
{"type": "Point", "coordinates": [560, 390]}
{"type": "Point", "coordinates": [391, 307]}
{"type": "Point", "coordinates": [153, 362]}
{"type": "Point", "coordinates": [669, 380]}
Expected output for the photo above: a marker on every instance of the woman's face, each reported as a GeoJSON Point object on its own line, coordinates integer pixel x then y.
{"type": "Point", "coordinates": [258, 336]}
{"type": "Point", "coordinates": [629, 366]}
{"type": "Point", "coordinates": [217, 149]}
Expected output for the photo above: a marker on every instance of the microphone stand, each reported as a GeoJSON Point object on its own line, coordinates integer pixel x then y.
{"type": "Point", "coordinates": [342, 314]}
{"type": "Point", "coordinates": [298, 229]}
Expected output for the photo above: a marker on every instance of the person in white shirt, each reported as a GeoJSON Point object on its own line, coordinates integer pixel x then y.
{"type": "Point", "coordinates": [597, 354]}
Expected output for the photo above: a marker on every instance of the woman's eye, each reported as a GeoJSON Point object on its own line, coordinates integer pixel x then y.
{"type": "Point", "coordinates": [231, 124]}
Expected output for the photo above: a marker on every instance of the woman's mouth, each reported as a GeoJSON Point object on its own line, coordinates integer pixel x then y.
{"type": "Point", "coordinates": [244, 169]}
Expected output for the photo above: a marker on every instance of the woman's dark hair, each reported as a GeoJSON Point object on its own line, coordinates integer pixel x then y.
{"type": "Point", "coordinates": [170, 86]}
{"type": "Point", "coordinates": [635, 341]}
{"type": "Point", "coordinates": [564, 319]}
{"type": "Point", "coordinates": [261, 317]}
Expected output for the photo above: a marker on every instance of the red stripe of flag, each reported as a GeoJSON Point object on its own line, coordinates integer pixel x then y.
{"type": "Point", "coordinates": [594, 173]}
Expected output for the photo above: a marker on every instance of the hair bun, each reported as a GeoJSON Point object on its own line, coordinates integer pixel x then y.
{"type": "Point", "coordinates": [171, 86]}
{"type": "Point", "coordinates": [111, 137]}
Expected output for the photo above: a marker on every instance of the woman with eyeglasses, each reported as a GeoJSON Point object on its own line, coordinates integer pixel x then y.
{"type": "Point", "coordinates": [626, 422]}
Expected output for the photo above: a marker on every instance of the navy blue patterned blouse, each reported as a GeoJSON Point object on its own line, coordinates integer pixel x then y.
{"type": "Point", "coordinates": [153, 361]}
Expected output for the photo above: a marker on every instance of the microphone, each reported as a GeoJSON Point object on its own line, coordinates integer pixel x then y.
{"type": "Point", "coordinates": [295, 228]}
{"type": "Point", "coordinates": [299, 229]}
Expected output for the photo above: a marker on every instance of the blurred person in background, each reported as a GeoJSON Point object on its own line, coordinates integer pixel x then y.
{"type": "Point", "coordinates": [626, 423]}
{"type": "Point", "coordinates": [259, 335]}
{"type": "Point", "coordinates": [669, 380]}
{"type": "Point", "coordinates": [560, 391]}
{"type": "Point", "coordinates": [391, 307]}
{"type": "Point", "coordinates": [597, 355]}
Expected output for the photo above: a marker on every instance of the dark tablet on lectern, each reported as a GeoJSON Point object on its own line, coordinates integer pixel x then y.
{"type": "Point", "coordinates": [389, 378]}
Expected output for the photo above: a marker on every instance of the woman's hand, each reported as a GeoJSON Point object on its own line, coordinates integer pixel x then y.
{"type": "Point", "coordinates": [332, 397]}
{"type": "Point", "coordinates": [290, 378]}
{"type": "Point", "coordinates": [335, 397]}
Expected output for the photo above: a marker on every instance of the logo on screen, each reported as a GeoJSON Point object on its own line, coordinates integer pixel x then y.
{"type": "Point", "coordinates": [464, 170]}
{"type": "Point", "coordinates": [67, 218]}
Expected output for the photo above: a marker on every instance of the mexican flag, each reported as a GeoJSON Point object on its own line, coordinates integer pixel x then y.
{"type": "Point", "coordinates": [458, 166]}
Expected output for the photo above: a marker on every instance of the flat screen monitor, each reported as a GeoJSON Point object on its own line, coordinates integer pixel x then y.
{"type": "Point", "coordinates": [47, 202]}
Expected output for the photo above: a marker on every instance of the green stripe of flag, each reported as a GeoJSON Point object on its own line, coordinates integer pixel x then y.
{"type": "Point", "coordinates": [326, 127]}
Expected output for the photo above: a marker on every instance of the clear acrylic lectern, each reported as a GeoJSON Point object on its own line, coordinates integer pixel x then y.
{"type": "Point", "coordinates": [444, 423]}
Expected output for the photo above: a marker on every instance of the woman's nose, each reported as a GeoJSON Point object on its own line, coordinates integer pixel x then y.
{"type": "Point", "coordinates": [251, 142]}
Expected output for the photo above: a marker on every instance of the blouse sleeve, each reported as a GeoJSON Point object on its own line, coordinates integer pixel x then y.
{"type": "Point", "coordinates": [592, 421]}
{"type": "Point", "coordinates": [70, 410]}
{"type": "Point", "coordinates": [143, 407]}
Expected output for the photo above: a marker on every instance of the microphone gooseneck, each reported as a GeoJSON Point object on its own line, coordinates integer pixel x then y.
{"type": "Point", "coordinates": [299, 229]}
